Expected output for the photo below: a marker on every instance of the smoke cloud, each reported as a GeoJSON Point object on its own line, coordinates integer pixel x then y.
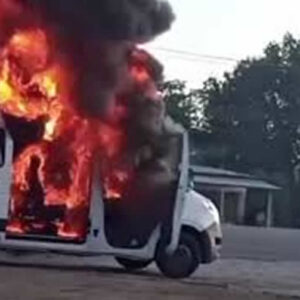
{"type": "Point", "coordinates": [99, 36]}
{"type": "Point", "coordinates": [135, 20]}
{"type": "Point", "coordinates": [96, 36]}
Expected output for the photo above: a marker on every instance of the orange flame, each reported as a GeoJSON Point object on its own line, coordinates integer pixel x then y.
{"type": "Point", "coordinates": [36, 87]}
{"type": "Point", "coordinates": [32, 88]}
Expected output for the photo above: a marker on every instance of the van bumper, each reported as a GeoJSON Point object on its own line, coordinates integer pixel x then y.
{"type": "Point", "coordinates": [216, 248]}
{"type": "Point", "coordinates": [216, 241]}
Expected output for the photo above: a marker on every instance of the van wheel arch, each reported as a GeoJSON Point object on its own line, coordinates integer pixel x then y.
{"type": "Point", "coordinates": [184, 261]}
{"type": "Point", "coordinates": [204, 241]}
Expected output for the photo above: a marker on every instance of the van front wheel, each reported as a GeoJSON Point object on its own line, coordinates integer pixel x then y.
{"type": "Point", "coordinates": [184, 261]}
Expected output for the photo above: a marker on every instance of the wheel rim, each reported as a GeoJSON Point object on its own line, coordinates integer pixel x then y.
{"type": "Point", "coordinates": [181, 261]}
{"type": "Point", "coordinates": [184, 251]}
{"type": "Point", "coordinates": [183, 255]}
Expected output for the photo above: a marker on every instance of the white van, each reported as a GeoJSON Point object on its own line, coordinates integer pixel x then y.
{"type": "Point", "coordinates": [191, 236]}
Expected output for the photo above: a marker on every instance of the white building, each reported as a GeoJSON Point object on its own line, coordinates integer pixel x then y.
{"type": "Point", "coordinates": [229, 191]}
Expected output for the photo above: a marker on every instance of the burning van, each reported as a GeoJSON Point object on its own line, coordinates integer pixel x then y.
{"type": "Point", "coordinates": [90, 162]}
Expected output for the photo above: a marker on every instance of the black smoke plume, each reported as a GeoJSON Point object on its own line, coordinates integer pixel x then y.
{"type": "Point", "coordinates": [135, 20]}
{"type": "Point", "coordinates": [97, 36]}
{"type": "Point", "coordinates": [117, 25]}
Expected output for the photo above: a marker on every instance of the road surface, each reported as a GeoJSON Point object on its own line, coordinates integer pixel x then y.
{"type": "Point", "coordinates": [61, 283]}
{"type": "Point", "coordinates": [261, 243]}
{"type": "Point", "coordinates": [259, 264]}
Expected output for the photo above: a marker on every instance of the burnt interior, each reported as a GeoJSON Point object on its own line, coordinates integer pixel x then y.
{"type": "Point", "coordinates": [148, 201]}
{"type": "Point", "coordinates": [69, 72]}
{"type": "Point", "coordinates": [38, 219]}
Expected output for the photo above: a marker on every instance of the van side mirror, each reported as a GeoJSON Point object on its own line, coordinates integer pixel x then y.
{"type": "Point", "coordinates": [191, 185]}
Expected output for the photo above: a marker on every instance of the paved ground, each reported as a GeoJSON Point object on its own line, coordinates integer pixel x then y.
{"type": "Point", "coordinates": [42, 284]}
{"type": "Point", "coordinates": [72, 278]}
{"type": "Point", "coordinates": [280, 278]}
{"type": "Point", "coordinates": [261, 243]}
{"type": "Point", "coordinates": [270, 269]}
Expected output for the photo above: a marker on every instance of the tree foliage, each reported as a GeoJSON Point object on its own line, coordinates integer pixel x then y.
{"type": "Point", "coordinates": [256, 109]}
{"type": "Point", "coordinates": [183, 105]}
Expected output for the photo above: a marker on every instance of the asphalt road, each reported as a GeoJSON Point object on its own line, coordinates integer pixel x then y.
{"type": "Point", "coordinates": [261, 244]}
{"type": "Point", "coordinates": [258, 258]}
{"type": "Point", "coordinates": [257, 264]}
{"type": "Point", "coordinates": [55, 284]}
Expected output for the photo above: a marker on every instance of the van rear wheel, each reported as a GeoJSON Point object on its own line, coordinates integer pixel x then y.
{"type": "Point", "coordinates": [184, 261]}
{"type": "Point", "coordinates": [133, 265]}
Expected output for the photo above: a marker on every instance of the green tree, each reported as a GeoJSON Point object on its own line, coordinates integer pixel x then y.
{"type": "Point", "coordinates": [255, 111]}
{"type": "Point", "coordinates": [183, 104]}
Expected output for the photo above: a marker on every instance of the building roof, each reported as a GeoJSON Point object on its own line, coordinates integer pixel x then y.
{"type": "Point", "coordinates": [225, 178]}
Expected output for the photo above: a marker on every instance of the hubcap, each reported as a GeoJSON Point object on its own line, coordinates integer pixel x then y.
{"type": "Point", "coordinates": [181, 260]}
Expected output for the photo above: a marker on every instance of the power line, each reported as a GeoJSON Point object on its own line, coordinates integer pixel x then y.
{"type": "Point", "coordinates": [198, 60]}
{"type": "Point", "coordinates": [197, 55]}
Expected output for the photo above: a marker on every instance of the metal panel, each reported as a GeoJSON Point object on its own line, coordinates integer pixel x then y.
{"type": "Point", "coordinates": [181, 193]}
{"type": "Point", "coordinates": [234, 182]}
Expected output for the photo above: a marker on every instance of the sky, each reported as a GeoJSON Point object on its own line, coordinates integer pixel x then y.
{"type": "Point", "coordinates": [228, 29]}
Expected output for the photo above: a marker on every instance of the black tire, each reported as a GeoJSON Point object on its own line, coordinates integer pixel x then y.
{"type": "Point", "coordinates": [133, 265]}
{"type": "Point", "coordinates": [184, 261]}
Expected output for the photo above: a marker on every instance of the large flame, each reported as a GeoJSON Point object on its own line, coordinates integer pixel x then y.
{"type": "Point", "coordinates": [36, 87]}
{"type": "Point", "coordinates": [32, 87]}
